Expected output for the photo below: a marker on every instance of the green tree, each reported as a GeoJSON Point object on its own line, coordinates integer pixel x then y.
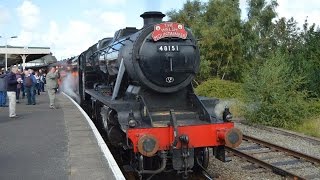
{"type": "Point", "coordinates": [258, 30]}
{"type": "Point", "coordinates": [302, 50]}
{"type": "Point", "coordinates": [286, 35]}
{"type": "Point", "coordinates": [306, 59]}
{"type": "Point", "coordinates": [217, 25]}
{"type": "Point", "coordinates": [273, 96]}
{"type": "Point", "coordinates": [221, 39]}
{"type": "Point", "coordinates": [189, 15]}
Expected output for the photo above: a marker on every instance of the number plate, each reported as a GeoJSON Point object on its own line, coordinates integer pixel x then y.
{"type": "Point", "coordinates": [168, 48]}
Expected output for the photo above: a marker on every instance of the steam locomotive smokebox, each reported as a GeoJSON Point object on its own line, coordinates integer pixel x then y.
{"type": "Point", "coordinates": [166, 64]}
{"type": "Point", "coordinates": [162, 56]}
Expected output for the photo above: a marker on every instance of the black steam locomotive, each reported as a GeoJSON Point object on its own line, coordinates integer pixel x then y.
{"type": "Point", "coordinates": [138, 86]}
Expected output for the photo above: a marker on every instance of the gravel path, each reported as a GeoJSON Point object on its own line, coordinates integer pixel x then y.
{"type": "Point", "coordinates": [238, 169]}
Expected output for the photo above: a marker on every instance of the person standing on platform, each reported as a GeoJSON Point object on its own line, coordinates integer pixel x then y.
{"type": "Point", "coordinates": [42, 80]}
{"type": "Point", "coordinates": [12, 90]}
{"type": "Point", "coordinates": [37, 87]}
{"type": "Point", "coordinates": [52, 84]}
{"type": "Point", "coordinates": [3, 89]}
{"type": "Point", "coordinates": [33, 87]}
{"type": "Point", "coordinates": [27, 83]}
{"type": "Point", "coordinates": [22, 85]}
{"type": "Point", "coordinates": [18, 75]}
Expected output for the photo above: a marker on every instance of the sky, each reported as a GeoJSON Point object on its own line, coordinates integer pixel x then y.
{"type": "Point", "coordinates": [69, 27]}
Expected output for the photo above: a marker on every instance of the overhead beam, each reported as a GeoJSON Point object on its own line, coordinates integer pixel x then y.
{"type": "Point", "coordinates": [24, 50]}
{"type": "Point", "coordinates": [20, 54]}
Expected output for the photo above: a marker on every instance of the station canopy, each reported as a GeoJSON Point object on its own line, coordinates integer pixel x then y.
{"type": "Point", "coordinates": [19, 54]}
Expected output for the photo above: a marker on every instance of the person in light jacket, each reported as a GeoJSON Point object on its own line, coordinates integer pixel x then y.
{"type": "Point", "coordinates": [52, 84]}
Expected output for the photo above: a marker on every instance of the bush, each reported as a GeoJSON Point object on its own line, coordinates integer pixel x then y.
{"type": "Point", "coordinates": [205, 70]}
{"type": "Point", "coordinates": [272, 96]}
{"type": "Point", "coordinates": [230, 93]}
{"type": "Point", "coordinates": [220, 89]}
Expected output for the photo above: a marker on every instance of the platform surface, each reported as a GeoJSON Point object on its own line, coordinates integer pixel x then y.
{"type": "Point", "coordinates": [44, 143]}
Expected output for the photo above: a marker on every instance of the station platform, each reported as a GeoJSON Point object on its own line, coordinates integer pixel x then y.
{"type": "Point", "coordinates": [44, 143]}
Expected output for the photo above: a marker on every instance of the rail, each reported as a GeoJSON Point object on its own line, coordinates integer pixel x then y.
{"type": "Point", "coordinates": [283, 149]}
{"type": "Point", "coordinates": [272, 148]}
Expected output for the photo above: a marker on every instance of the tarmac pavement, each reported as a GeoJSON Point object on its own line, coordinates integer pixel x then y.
{"type": "Point", "coordinates": [44, 143]}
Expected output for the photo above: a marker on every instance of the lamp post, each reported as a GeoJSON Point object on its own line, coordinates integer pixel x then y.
{"type": "Point", "coordinates": [6, 54]}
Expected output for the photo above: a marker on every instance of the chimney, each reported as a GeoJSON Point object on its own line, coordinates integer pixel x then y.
{"type": "Point", "coordinates": [152, 17]}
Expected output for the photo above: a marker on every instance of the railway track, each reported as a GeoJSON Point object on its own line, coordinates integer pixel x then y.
{"type": "Point", "coordinates": [285, 162]}
{"type": "Point", "coordinates": [161, 176]}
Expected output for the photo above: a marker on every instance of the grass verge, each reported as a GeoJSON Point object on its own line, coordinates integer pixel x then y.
{"type": "Point", "coordinates": [233, 94]}
{"type": "Point", "coordinates": [309, 127]}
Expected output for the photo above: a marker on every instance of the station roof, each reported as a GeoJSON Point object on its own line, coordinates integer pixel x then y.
{"type": "Point", "coordinates": [14, 52]}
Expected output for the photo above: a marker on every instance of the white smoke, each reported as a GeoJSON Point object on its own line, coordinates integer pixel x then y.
{"type": "Point", "coordinates": [69, 86]}
{"type": "Point", "coordinates": [219, 108]}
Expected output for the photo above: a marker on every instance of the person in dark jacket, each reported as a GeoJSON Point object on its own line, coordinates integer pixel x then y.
{"type": "Point", "coordinates": [27, 83]}
{"type": "Point", "coordinates": [3, 89]}
{"type": "Point", "coordinates": [33, 87]}
{"type": "Point", "coordinates": [12, 82]}
{"type": "Point", "coordinates": [19, 85]}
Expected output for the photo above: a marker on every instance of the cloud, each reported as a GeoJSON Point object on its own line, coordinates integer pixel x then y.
{"type": "Point", "coordinates": [76, 36]}
{"type": "Point", "coordinates": [112, 19]}
{"type": "Point", "coordinates": [24, 38]}
{"type": "Point", "coordinates": [71, 39]}
{"type": "Point", "coordinates": [106, 19]}
{"type": "Point", "coordinates": [106, 22]}
{"type": "Point", "coordinates": [29, 15]}
{"type": "Point", "coordinates": [53, 34]}
{"type": "Point", "coordinates": [153, 5]}
{"type": "Point", "coordinates": [64, 40]}
{"type": "Point", "coordinates": [113, 2]}
{"type": "Point", "coordinates": [299, 10]}
{"type": "Point", "coordinates": [4, 15]}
